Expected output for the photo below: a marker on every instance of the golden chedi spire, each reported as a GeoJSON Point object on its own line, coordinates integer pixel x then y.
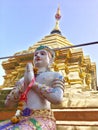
{"type": "Point", "coordinates": [57, 17]}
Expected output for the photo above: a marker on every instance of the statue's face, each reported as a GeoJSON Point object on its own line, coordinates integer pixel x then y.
{"type": "Point", "coordinates": [41, 58]}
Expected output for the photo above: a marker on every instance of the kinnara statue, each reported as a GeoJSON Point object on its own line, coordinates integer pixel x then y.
{"type": "Point", "coordinates": [34, 93]}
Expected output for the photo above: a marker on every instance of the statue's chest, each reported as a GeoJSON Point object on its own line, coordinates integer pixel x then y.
{"type": "Point", "coordinates": [45, 78]}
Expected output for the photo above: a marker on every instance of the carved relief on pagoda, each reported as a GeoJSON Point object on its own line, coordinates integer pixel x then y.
{"type": "Point", "coordinates": [77, 68]}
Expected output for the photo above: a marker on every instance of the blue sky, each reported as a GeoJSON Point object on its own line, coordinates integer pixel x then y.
{"type": "Point", "coordinates": [24, 22]}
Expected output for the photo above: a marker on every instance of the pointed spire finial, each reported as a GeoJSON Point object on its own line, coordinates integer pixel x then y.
{"type": "Point", "coordinates": [58, 14]}
{"type": "Point", "coordinates": [57, 17]}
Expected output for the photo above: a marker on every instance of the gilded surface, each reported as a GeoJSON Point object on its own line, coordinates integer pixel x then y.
{"type": "Point", "coordinates": [78, 70]}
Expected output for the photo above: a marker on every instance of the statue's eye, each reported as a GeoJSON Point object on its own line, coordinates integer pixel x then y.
{"type": "Point", "coordinates": [35, 54]}
{"type": "Point", "coordinates": [43, 53]}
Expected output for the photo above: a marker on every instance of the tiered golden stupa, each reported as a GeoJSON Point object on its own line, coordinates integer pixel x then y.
{"type": "Point", "coordinates": [78, 111]}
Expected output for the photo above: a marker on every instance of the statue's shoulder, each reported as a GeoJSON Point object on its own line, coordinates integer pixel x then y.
{"type": "Point", "coordinates": [56, 75]}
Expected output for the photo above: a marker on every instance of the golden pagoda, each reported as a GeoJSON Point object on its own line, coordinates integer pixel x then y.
{"type": "Point", "coordinates": [79, 73]}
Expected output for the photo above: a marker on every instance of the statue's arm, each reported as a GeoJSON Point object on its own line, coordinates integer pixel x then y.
{"type": "Point", "coordinates": [13, 97]}
{"type": "Point", "coordinates": [20, 86]}
{"type": "Point", "coordinates": [53, 93]}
